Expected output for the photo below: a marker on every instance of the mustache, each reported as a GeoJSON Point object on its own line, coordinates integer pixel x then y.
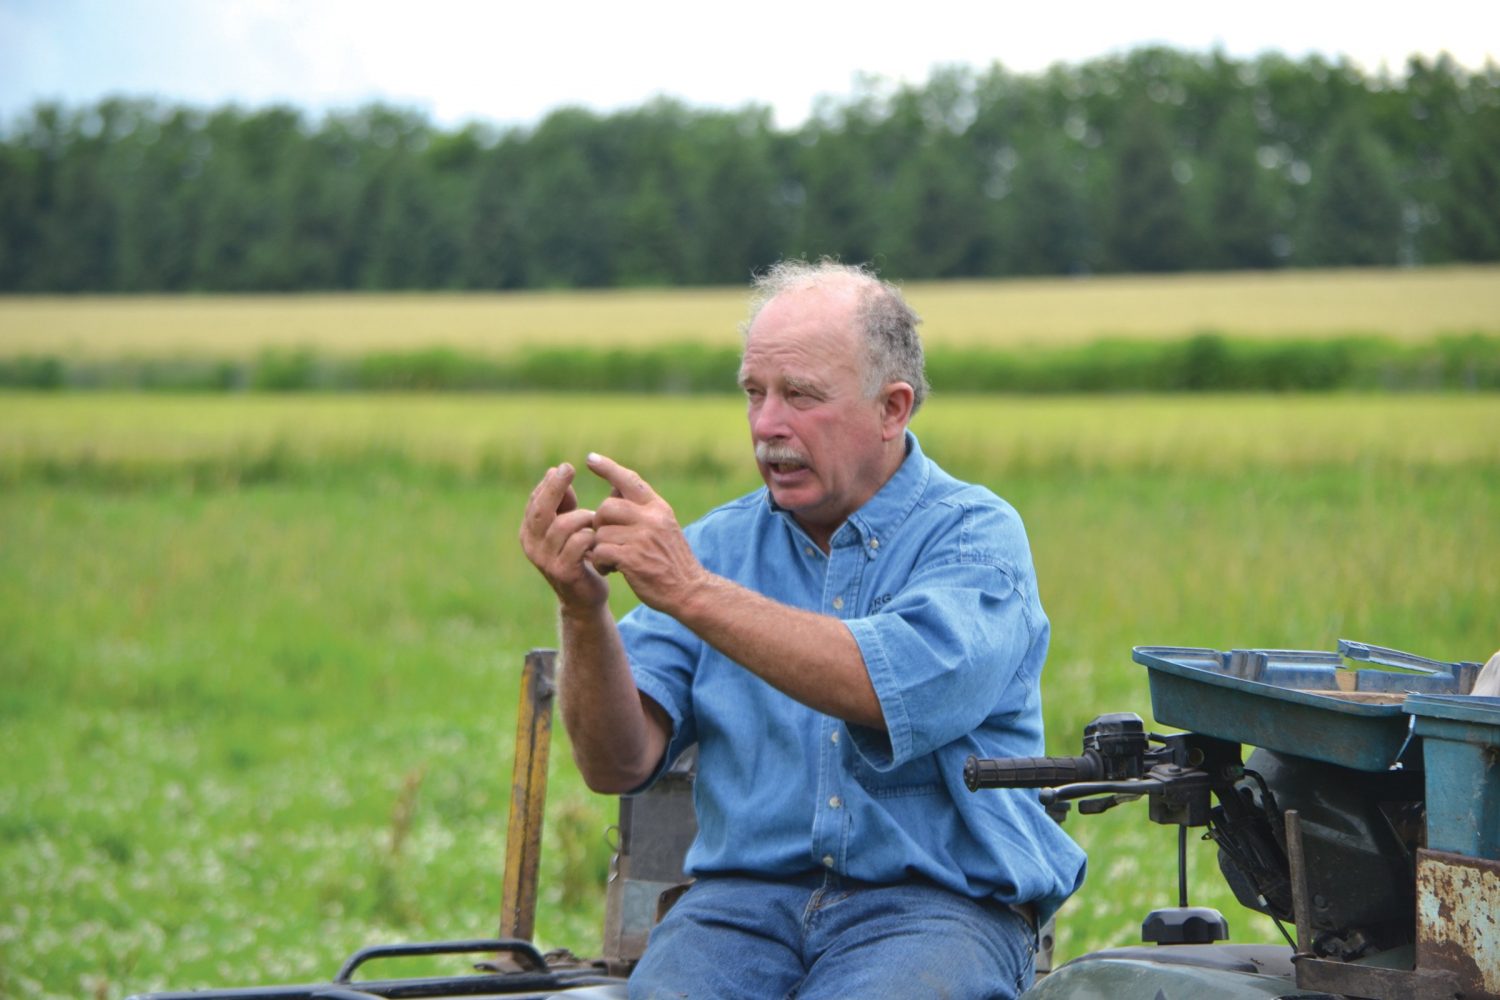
{"type": "Point", "coordinates": [777, 453]}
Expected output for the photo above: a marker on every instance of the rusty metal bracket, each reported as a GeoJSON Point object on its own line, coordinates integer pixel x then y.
{"type": "Point", "coordinates": [528, 795]}
{"type": "Point", "coordinates": [1458, 920]}
{"type": "Point", "coordinates": [1352, 979]}
{"type": "Point", "coordinates": [1458, 933]}
{"type": "Point", "coordinates": [1297, 863]}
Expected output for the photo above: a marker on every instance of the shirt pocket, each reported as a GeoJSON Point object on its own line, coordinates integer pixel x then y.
{"type": "Point", "coordinates": [916, 777]}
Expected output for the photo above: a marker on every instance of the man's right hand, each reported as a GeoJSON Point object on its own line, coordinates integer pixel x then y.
{"type": "Point", "coordinates": [557, 536]}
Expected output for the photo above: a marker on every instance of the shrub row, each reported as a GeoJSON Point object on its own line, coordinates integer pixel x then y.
{"type": "Point", "coordinates": [1207, 362]}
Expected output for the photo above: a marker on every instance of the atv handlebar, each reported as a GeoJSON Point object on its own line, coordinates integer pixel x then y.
{"type": "Point", "coordinates": [1119, 764]}
{"type": "Point", "coordinates": [1031, 772]}
{"type": "Point", "coordinates": [1115, 748]}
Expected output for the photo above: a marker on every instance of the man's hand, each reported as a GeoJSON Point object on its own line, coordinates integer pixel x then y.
{"type": "Point", "coordinates": [557, 536]}
{"type": "Point", "coordinates": [618, 734]}
{"type": "Point", "coordinates": [636, 533]}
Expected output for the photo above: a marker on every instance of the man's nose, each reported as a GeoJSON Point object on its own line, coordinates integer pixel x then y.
{"type": "Point", "coordinates": [768, 419]}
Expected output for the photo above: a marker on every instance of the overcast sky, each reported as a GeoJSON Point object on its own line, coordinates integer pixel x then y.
{"type": "Point", "coordinates": [510, 63]}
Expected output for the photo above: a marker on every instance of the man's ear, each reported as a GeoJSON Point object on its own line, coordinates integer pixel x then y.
{"type": "Point", "coordinates": [896, 401]}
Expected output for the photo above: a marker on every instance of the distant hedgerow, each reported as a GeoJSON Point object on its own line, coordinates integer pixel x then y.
{"type": "Point", "coordinates": [1206, 362]}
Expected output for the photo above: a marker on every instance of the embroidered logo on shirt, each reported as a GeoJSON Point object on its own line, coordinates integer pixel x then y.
{"type": "Point", "coordinates": [880, 602]}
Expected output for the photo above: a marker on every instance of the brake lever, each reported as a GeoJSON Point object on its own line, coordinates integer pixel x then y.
{"type": "Point", "coordinates": [1094, 806]}
{"type": "Point", "coordinates": [1087, 789]}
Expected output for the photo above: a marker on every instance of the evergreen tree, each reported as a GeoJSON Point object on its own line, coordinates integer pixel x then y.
{"type": "Point", "coordinates": [1156, 160]}
{"type": "Point", "coordinates": [1148, 228]}
{"type": "Point", "coordinates": [1046, 218]}
{"type": "Point", "coordinates": [1470, 208]}
{"type": "Point", "coordinates": [1240, 215]}
{"type": "Point", "coordinates": [1353, 214]}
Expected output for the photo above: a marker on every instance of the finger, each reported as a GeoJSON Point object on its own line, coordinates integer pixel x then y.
{"type": "Point", "coordinates": [626, 482]}
{"type": "Point", "coordinates": [602, 561]}
{"type": "Point", "coordinates": [561, 539]}
{"type": "Point", "coordinates": [615, 509]}
{"type": "Point", "coordinates": [568, 502]}
{"type": "Point", "coordinates": [540, 489]}
{"type": "Point", "coordinates": [616, 536]}
{"type": "Point", "coordinates": [566, 525]}
{"type": "Point", "coordinates": [547, 494]}
{"type": "Point", "coordinates": [555, 491]}
{"type": "Point", "coordinates": [566, 499]}
{"type": "Point", "coordinates": [577, 547]}
{"type": "Point", "coordinates": [553, 495]}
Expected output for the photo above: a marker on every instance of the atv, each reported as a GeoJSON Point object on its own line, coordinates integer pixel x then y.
{"type": "Point", "coordinates": [1364, 820]}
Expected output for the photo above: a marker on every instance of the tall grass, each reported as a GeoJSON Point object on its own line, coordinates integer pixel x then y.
{"type": "Point", "coordinates": [261, 653]}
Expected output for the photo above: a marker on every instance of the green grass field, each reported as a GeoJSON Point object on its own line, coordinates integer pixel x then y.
{"type": "Point", "coordinates": [261, 654]}
{"type": "Point", "coordinates": [1401, 304]}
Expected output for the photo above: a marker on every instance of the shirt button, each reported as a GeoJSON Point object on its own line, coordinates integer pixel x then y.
{"type": "Point", "coordinates": [808, 550]}
{"type": "Point", "coordinates": [838, 603]}
{"type": "Point", "coordinates": [874, 543]}
{"type": "Point", "coordinates": [834, 802]}
{"type": "Point", "coordinates": [828, 861]}
{"type": "Point", "coordinates": [833, 737]}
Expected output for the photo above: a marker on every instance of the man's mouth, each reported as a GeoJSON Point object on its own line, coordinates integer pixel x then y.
{"type": "Point", "coordinates": [779, 458]}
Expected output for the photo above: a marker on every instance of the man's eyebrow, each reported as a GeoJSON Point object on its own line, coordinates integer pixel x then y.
{"type": "Point", "coordinates": [796, 383]}
{"type": "Point", "coordinates": [801, 384]}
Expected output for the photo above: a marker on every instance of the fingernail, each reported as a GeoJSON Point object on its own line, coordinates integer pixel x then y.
{"type": "Point", "coordinates": [594, 457]}
{"type": "Point", "coordinates": [565, 469]}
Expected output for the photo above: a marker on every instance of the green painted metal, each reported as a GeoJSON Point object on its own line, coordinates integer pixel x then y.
{"type": "Point", "coordinates": [1108, 978]}
{"type": "Point", "coordinates": [1200, 691]}
{"type": "Point", "coordinates": [1461, 751]}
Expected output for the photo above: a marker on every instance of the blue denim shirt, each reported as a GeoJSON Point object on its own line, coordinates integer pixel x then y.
{"type": "Point", "coordinates": [933, 577]}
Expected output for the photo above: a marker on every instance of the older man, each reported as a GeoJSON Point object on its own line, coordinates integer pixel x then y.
{"type": "Point", "coordinates": [836, 644]}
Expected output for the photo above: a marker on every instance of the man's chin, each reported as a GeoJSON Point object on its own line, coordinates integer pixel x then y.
{"type": "Point", "coordinates": [789, 497]}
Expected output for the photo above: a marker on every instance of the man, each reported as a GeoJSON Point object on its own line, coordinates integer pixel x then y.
{"type": "Point", "coordinates": [836, 644]}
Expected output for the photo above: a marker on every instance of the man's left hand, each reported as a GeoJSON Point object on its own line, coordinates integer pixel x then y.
{"type": "Point", "coordinates": [636, 532]}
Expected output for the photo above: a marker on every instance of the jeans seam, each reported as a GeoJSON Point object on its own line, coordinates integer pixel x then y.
{"type": "Point", "coordinates": [813, 903]}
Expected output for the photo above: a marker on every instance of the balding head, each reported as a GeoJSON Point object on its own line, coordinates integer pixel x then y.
{"type": "Point", "coordinates": [887, 326]}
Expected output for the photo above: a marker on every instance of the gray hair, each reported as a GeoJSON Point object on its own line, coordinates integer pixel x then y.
{"type": "Point", "coordinates": [893, 351]}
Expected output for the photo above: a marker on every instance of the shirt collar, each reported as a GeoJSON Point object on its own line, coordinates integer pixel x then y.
{"type": "Point", "coordinates": [883, 513]}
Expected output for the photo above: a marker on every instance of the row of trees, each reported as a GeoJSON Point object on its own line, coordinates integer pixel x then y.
{"type": "Point", "coordinates": [1159, 160]}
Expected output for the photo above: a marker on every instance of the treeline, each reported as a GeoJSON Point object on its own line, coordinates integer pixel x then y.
{"type": "Point", "coordinates": [1206, 362]}
{"type": "Point", "coordinates": [1159, 160]}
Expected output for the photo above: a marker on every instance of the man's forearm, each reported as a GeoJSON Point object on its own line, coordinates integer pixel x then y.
{"type": "Point", "coordinates": [617, 739]}
{"type": "Point", "coordinates": [809, 656]}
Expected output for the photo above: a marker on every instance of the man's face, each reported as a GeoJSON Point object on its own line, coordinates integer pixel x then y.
{"type": "Point", "coordinates": [819, 440]}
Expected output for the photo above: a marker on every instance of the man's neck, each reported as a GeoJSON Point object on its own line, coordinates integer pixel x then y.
{"type": "Point", "coordinates": [822, 533]}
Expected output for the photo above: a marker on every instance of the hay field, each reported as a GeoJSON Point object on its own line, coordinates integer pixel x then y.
{"type": "Point", "coordinates": [1401, 304]}
{"type": "Point", "coordinates": [246, 635]}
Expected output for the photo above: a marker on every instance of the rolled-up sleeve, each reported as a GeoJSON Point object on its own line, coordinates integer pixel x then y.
{"type": "Point", "coordinates": [943, 652]}
{"type": "Point", "coordinates": [662, 652]}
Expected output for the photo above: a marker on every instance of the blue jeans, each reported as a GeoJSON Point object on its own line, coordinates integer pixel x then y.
{"type": "Point", "coordinates": [820, 936]}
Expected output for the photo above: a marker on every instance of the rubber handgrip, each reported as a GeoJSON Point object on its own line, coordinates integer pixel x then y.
{"type": "Point", "coordinates": [1030, 772]}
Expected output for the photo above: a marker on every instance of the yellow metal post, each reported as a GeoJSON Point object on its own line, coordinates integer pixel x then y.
{"type": "Point", "coordinates": [528, 796]}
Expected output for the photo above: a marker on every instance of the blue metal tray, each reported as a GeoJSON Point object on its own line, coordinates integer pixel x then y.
{"type": "Point", "coordinates": [1274, 698]}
